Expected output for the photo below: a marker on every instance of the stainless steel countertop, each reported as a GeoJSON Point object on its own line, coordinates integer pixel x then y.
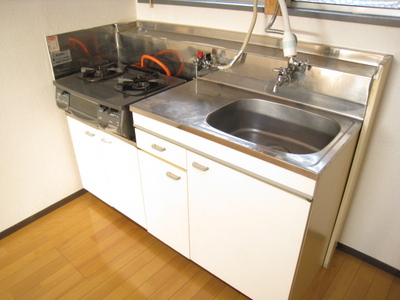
{"type": "Point", "coordinates": [187, 107]}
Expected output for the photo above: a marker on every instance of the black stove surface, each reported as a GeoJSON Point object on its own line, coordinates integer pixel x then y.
{"type": "Point", "coordinates": [99, 73]}
{"type": "Point", "coordinates": [105, 92]}
{"type": "Point", "coordinates": [138, 81]}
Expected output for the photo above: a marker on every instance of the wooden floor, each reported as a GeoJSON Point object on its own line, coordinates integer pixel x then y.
{"type": "Point", "coordinates": [86, 250]}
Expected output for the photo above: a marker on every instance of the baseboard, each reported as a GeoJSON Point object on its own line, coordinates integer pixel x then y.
{"type": "Point", "coordinates": [368, 259]}
{"type": "Point", "coordinates": [41, 213]}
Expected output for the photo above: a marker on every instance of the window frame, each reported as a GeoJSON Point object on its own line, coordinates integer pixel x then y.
{"type": "Point", "coordinates": [211, 4]}
{"type": "Point", "coordinates": [345, 13]}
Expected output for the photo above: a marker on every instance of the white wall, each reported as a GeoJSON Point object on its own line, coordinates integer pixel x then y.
{"type": "Point", "coordinates": [37, 164]}
{"type": "Point", "coordinates": [373, 222]}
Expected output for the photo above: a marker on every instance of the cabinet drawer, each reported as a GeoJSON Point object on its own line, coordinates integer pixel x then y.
{"type": "Point", "coordinates": [161, 148]}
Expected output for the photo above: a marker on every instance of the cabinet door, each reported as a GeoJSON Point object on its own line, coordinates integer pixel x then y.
{"type": "Point", "coordinates": [122, 185]}
{"type": "Point", "coordinates": [86, 144]}
{"type": "Point", "coordinates": [109, 169]}
{"type": "Point", "coordinates": [243, 230]}
{"type": "Point", "coordinates": [165, 198]}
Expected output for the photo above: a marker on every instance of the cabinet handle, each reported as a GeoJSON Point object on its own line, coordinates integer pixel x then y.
{"type": "Point", "coordinates": [91, 134]}
{"type": "Point", "coordinates": [158, 148]}
{"type": "Point", "coordinates": [199, 166]}
{"type": "Point", "coordinates": [173, 176]}
{"type": "Point", "coordinates": [105, 141]}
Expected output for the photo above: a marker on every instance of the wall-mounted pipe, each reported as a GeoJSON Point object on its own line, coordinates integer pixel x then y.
{"type": "Point", "coordinates": [246, 40]}
{"type": "Point", "coordinates": [289, 39]}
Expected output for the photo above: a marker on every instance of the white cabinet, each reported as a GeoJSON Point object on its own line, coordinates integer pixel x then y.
{"type": "Point", "coordinates": [85, 140]}
{"type": "Point", "coordinates": [109, 169]}
{"type": "Point", "coordinates": [164, 191]}
{"type": "Point", "coordinates": [245, 231]}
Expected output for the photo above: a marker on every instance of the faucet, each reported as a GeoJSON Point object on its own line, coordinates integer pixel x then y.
{"type": "Point", "coordinates": [289, 43]}
{"type": "Point", "coordinates": [210, 60]}
{"type": "Point", "coordinates": [289, 74]}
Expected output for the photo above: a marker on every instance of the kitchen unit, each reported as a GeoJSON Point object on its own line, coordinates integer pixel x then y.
{"type": "Point", "coordinates": [109, 169]}
{"type": "Point", "coordinates": [248, 217]}
{"type": "Point", "coordinates": [164, 182]}
{"type": "Point", "coordinates": [252, 197]}
{"type": "Point", "coordinates": [237, 225]}
{"type": "Point", "coordinates": [243, 229]}
{"type": "Point", "coordinates": [95, 91]}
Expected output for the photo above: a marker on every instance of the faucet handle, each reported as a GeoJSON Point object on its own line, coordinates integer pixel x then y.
{"type": "Point", "coordinates": [281, 71]}
{"type": "Point", "coordinates": [297, 65]}
{"type": "Point", "coordinates": [303, 66]}
{"type": "Point", "coordinates": [284, 76]}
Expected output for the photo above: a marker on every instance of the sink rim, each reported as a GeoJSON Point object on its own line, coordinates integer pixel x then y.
{"type": "Point", "coordinates": [186, 107]}
{"type": "Point", "coordinates": [276, 115]}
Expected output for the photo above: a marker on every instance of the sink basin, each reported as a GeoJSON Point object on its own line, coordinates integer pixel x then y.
{"type": "Point", "coordinates": [276, 126]}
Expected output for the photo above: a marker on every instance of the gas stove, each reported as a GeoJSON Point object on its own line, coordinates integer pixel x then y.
{"type": "Point", "coordinates": [99, 73]}
{"type": "Point", "coordinates": [101, 95]}
{"type": "Point", "coordinates": [138, 81]}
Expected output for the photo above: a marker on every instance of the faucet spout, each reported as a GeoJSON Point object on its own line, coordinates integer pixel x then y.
{"type": "Point", "coordinates": [283, 78]}
{"type": "Point", "coordinates": [290, 73]}
{"type": "Point", "coordinates": [275, 89]}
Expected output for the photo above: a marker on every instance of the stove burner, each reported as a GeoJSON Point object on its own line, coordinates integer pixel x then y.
{"type": "Point", "coordinates": [99, 73]}
{"type": "Point", "coordinates": [138, 86]}
{"type": "Point", "coordinates": [141, 85]}
{"type": "Point", "coordinates": [138, 81]}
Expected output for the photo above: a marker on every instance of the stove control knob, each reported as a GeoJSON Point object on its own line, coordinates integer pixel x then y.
{"type": "Point", "coordinates": [102, 109]}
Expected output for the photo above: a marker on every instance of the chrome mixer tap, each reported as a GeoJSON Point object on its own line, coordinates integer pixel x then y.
{"type": "Point", "coordinates": [289, 74]}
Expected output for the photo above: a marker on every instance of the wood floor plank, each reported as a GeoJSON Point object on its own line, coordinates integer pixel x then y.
{"type": "Point", "coordinates": [60, 289]}
{"type": "Point", "coordinates": [228, 293]}
{"type": "Point", "coordinates": [213, 287]}
{"type": "Point", "coordinates": [16, 261]}
{"type": "Point", "coordinates": [241, 297]}
{"type": "Point", "coordinates": [324, 279]}
{"type": "Point", "coordinates": [150, 286]}
{"type": "Point", "coordinates": [120, 224]}
{"type": "Point", "coordinates": [343, 279]}
{"type": "Point", "coordinates": [6, 295]}
{"type": "Point", "coordinates": [192, 287]}
{"type": "Point", "coordinates": [170, 287]}
{"type": "Point", "coordinates": [361, 282]}
{"type": "Point", "coordinates": [86, 228]}
{"type": "Point", "coordinates": [105, 258]}
{"type": "Point", "coordinates": [26, 270]}
{"type": "Point", "coordinates": [40, 226]}
{"type": "Point", "coordinates": [85, 263]}
{"type": "Point", "coordinates": [28, 283]}
{"type": "Point", "coordinates": [82, 243]}
{"type": "Point", "coordinates": [48, 260]}
{"type": "Point", "coordinates": [380, 286]}
{"type": "Point", "coordinates": [38, 247]}
{"type": "Point", "coordinates": [394, 292]}
{"type": "Point", "coordinates": [137, 273]}
{"type": "Point", "coordinates": [134, 283]}
{"type": "Point", "coordinates": [54, 236]}
{"type": "Point", "coordinates": [46, 281]}
{"type": "Point", "coordinates": [111, 277]}
{"type": "Point", "coordinates": [3, 252]}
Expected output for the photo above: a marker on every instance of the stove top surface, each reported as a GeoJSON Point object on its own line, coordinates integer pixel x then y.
{"type": "Point", "coordinates": [119, 89]}
{"type": "Point", "coordinates": [100, 73]}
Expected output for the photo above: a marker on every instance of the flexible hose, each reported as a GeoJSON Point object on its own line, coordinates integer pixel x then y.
{"type": "Point", "coordinates": [70, 40]}
{"type": "Point", "coordinates": [246, 40]}
{"type": "Point", "coordinates": [164, 67]}
{"type": "Point", "coordinates": [289, 39]}
{"type": "Point", "coordinates": [269, 28]}
{"type": "Point", "coordinates": [285, 15]}
{"type": "Point", "coordinates": [178, 56]}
